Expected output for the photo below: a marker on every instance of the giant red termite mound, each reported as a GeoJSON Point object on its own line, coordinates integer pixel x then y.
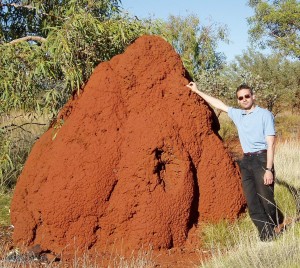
{"type": "Point", "coordinates": [135, 160]}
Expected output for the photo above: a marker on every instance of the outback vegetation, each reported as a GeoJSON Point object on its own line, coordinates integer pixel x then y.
{"type": "Point", "coordinates": [49, 50]}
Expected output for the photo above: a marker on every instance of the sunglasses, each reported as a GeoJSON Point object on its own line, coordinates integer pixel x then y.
{"type": "Point", "coordinates": [247, 96]}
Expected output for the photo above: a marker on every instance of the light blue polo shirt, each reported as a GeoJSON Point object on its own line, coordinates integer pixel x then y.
{"type": "Point", "coordinates": [253, 127]}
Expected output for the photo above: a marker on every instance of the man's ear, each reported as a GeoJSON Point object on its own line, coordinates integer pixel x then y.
{"type": "Point", "coordinates": [253, 97]}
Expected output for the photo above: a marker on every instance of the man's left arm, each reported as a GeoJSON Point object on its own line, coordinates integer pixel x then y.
{"type": "Point", "coordinates": [269, 175]}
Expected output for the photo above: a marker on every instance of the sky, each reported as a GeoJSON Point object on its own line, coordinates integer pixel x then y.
{"type": "Point", "coordinates": [233, 13]}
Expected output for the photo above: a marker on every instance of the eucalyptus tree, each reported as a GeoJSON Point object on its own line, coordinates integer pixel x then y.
{"type": "Point", "coordinates": [48, 50]}
{"type": "Point", "coordinates": [20, 18]}
{"type": "Point", "coordinates": [276, 24]}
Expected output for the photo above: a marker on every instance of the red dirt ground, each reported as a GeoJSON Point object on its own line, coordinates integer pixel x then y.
{"type": "Point", "coordinates": [135, 160]}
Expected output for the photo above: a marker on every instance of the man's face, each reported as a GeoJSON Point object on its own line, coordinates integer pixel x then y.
{"type": "Point", "coordinates": [245, 99]}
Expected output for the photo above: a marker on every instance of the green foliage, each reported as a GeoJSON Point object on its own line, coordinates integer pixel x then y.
{"type": "Point", "coordinates": [20, 76]}
{"type": "Point", "coordinates": [42, 76]}
{"type": "Point", "coordinates": [273, 78]}
{"type": "Point", "coordinates": [5, 199]}
{"type": "Point", "coordinates": [194, 42]}
{"type": "Point", "coordinates": [276, 24]}
{"type": "Point", "coordinates": [20, 18]}
{"type": "Point", "coordinates": [18, 132]}
{"type": "Point", "coordinates": [216, 83]}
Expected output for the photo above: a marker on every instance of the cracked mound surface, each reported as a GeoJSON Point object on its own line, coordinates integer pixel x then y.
{"type": "Point", "coordinates": [134, 160]}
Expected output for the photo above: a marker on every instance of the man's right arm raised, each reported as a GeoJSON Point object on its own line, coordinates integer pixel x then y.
{"type": "Point", "coordinates": [216, 103]}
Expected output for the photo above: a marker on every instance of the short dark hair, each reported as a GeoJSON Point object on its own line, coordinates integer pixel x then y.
{"type": "Point", "coordinates": [244, 86]}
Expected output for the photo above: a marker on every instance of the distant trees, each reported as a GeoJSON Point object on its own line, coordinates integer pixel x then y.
{"type": "Point", "coordinates": [197, 45]}
{"type": "Point", "coordinates": [276, 24]}
{"type": "Point", "coordinates": [274, 78]}
{"type": "Point", "coordinates": [195, 42]}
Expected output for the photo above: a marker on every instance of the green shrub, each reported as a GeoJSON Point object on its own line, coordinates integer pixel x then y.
{"type": "Point", "coordinates": [18, 132]}
{"type": "Point", "coordinates": [5, 199]}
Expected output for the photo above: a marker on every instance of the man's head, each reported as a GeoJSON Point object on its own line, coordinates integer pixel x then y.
{"type": "Point", "coordinates": [245, 96]}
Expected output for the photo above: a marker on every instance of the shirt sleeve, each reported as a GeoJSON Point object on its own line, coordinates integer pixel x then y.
{"type": "Point", "coordinates": [269, 124]}
{"type": "Point", "coordinates": [232, 113]}
{"type": "Point", "coordinates": [229, 112]}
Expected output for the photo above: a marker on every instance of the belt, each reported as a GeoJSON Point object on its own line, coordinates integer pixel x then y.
{"type": "Point", "coordinates": [255, 153]}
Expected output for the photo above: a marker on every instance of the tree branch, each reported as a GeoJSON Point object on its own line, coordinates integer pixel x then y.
{"type": "Point", "coordinates": [13, 126]}
{"type": "Point", "coordinates": [19, 5]}
{"type": "Point", "coordinates": [27, 38]}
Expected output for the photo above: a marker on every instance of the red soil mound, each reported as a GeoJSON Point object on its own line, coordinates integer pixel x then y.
{"type": "Point", "coordinates": [135, 160]}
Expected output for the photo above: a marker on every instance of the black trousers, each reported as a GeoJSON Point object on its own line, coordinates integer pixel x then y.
{"type": "Point", "coordinates": [260, 198]}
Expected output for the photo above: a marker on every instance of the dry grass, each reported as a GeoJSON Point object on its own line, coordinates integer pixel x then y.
{"type": "Point", "coordinates": [244, 248]}
{"type": "Point", "coordinates": [140, 259]}
{"type": "Point", "coordinates": [287, 162]}
{"type": "Point", "coordinates": [249, 252]}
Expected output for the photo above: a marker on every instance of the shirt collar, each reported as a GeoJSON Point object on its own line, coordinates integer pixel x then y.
{"type": "Point", "coordinates": [244, 112]}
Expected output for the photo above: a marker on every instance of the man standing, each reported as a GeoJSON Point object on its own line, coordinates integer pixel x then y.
{"type": "Point", "coordinates": [256, 132]}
